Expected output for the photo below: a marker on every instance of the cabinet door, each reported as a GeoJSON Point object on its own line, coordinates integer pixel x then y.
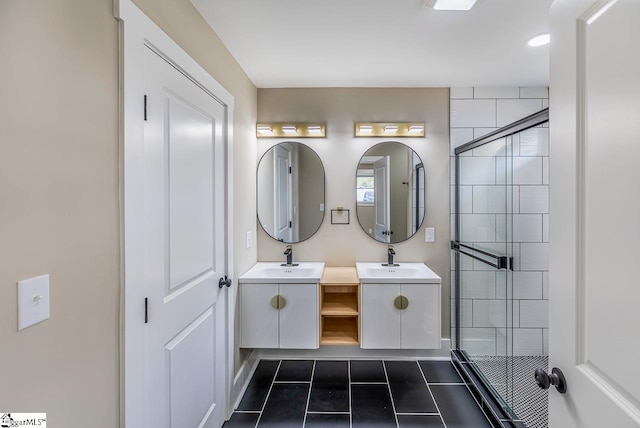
{"type": "Point", "coordinates": [420, 321]}
{"type": "Point", "coordinates": [258, 319]}
{"type": "Point", "coordinates": [380, 326]}
{"type": "Point", "coordinates": [299, 316]}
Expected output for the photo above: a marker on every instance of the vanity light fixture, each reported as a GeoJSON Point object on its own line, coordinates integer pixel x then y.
{"type": "Point", "coordinates": [264, 131]}
{"type": "Point", "coordinates": [389, 129]}
{"type": "Point", "coordinates": [450, 4]}
{"type": "Point", "coordinates": [291, 129]}
{"type": "Point", "coordinates": [365, 129]}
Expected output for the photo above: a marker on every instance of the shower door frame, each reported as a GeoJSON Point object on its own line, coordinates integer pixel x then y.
{"type": "Point", "coordinates": [501, 262]}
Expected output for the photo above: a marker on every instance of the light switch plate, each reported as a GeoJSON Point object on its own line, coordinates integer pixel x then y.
{"type": "Point", "coordinates": [430, 234]}
{"type": "Point", "coordinates": [249, 239]}
{"type": "Point", "coordinates": [33, 301]}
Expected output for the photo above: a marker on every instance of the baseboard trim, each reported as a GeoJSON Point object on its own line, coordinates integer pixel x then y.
{"type": "Point", "coordinates": [241, 381]}
{"type": "Point", "coordinates": [355, 352]}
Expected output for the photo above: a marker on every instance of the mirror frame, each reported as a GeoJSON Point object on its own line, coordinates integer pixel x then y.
{"type": "Point", "coordinates": [324, 191]}
{"type": "Point", "coordinates": [424, 194]}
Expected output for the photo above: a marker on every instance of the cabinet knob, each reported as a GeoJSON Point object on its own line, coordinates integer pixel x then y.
{"type": "Point", "coordinates": [401, 302]}
{"type": "Point", "coordinates": [278, 302]}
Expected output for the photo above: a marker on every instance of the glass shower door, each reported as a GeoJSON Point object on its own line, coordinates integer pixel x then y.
{"type": "Point", "coordinates": [501, 240]}
{"type": "Point", "coordinates": [483, 245]}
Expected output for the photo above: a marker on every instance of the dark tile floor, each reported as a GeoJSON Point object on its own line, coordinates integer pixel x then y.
{"type": "Point", "coordinates": [357, 393]}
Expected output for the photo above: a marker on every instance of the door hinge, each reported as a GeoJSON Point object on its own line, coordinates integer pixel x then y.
{"type": "Point", "coordinates": [290, 225]}
{"type": "Point", "coordinates": [145, 107]}
{"type": "Point", "coordinates": [146, 310]}
{"type": "Point", "coordinates": [289, 170]}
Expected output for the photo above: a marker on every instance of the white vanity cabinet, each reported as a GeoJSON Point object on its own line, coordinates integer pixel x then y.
{"type": "Point", "coordinates": [400, 306]}
{"type": "Point", "coordinates": [278, 305]}
{"type": "Point", "coordinates": [391, 322]}
{"type": "Point", "coordinates": [279, 316]}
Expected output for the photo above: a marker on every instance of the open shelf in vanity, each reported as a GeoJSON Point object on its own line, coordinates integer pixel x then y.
{"type": "Point", "coordinates": [340, 306]}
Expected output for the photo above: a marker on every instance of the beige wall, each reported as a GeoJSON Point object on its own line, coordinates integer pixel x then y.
{"type": "Point", "coordinates": [343, 245]}
{"type": "Point", "coordinates": [59, 210]}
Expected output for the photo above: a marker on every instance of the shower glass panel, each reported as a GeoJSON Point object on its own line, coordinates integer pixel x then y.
{"type": "Point", "coordinates": [500, 262]}
{"type": "Point", "coordinates": [484, 228]}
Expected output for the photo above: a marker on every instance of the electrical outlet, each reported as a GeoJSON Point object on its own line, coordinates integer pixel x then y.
{"type": "Point", "coordinates": [249, 239]}
{"type": "Point", "coordinates": [430, 234]}
{"type": "Point", "coordinates": [322, 207]}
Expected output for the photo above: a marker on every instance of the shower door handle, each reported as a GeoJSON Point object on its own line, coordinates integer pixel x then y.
{"type": "Point", "coordinates": [501, 262]}
{"type": "Point", "coordinates": [556, 378]}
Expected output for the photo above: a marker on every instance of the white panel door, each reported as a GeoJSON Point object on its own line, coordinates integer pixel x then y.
{"type": "Point", "coordinates": [299, 317]}
{"type": "Point", "coordinates": [380, 326]}
{"type": "Point", "coordinates": [595, 205]}
{"type": "Point", "coordinates": [258, 319]}
{"type": "Point", "coordinates": [185, 354]}
{"type": "Point", "coordinates": [282, 191]}
{"type": "Point", "coordinates": [420, 321]}
{"type": "Point", "coordinates": [381, 201]}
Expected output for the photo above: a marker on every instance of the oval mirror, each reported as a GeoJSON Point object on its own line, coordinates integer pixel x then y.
{"type": "Point", "coordinates": [290, 186]}
{"type": "Point", "coordinates": [390, 190]}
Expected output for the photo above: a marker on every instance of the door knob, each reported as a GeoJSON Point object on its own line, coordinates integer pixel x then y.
{"type": "Point", "coordinates": [556, 378]}
{"type": "Point", "coordinates": [224, 281]}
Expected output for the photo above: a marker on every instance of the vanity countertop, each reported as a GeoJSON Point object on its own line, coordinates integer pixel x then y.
{"type": "Point", "coordinates": [402, 273]}
{"type": "Point", "coordinates": [340, 276]}
{"type": "Point", "coordinates": [275, 273]}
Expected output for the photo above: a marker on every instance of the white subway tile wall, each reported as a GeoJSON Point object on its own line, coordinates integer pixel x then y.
{"type": "Point", "coordinates": [496, 92]}
{"type": "Point", "coordinates": [473, 113]}
{"type": "Point", "coordinates": [522, 161]}
{"type": "Point", "coordinates": [508, 111]}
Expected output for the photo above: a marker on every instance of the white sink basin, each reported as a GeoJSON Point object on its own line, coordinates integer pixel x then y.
{"type": "Point", "coordinates": [272, 272]}
{"type": "Point", "coordinates": [404, 273]}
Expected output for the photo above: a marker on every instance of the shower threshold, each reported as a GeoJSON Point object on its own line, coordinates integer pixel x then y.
{"type": "Point", "coordinates": [526, 399]}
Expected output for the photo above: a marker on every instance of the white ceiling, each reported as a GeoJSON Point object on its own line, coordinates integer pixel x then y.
{"type": "Point", "coordinates": [382, 43]}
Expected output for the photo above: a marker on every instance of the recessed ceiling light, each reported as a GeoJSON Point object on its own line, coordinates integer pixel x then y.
{"type": "Point", "coordinates": [450, 4]}
{"type": "Point", "coordinates": [539, 40]}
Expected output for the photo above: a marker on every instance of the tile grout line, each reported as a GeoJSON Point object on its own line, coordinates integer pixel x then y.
{"type": "Point", "coordinates": [268, 393]}
{"type": "Point", "coordinates": [446, 383]}
{"type": "Point", "coordinates": [306, 409]}
{"type": "Point", "coordinates": [350, 407]}
{"type": "Point", "coordinates": [431, 394]}
{"type": "Point", "coordinates": [393, 404]}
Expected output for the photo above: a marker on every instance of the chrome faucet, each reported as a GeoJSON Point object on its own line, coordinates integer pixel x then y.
{"type": "Point", "coordinates": [390, 253]}
{"type": "Point", "coordinates": [289, 253]}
